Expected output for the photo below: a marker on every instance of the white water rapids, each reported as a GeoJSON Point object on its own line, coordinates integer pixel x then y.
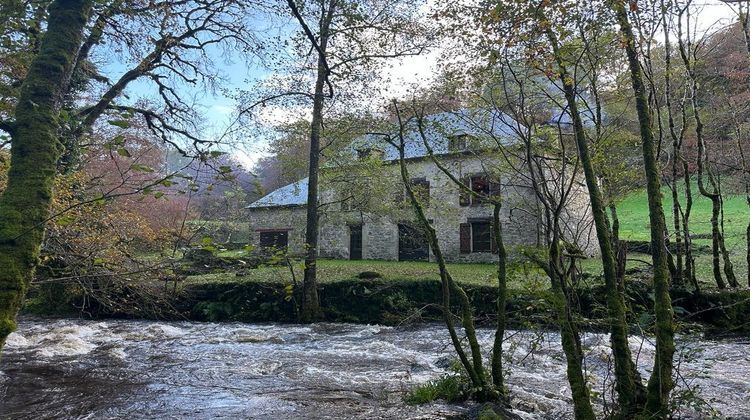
{"type": "Point", "coordinates": [144, 369]}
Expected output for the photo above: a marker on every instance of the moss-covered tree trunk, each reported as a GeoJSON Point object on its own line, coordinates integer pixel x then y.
{"type": "Point", "coordinates": [630, 390]}
{"type": "Point", "coordinates": [474, 367]}
{"type": "Point", "coordinates": [499, 392]}
{"type": "Point", "coordinates": [681, 252]}
{"type": "Point", "coordinates": [502, 297]}
{"type": "Point", "coordinates": [35, 150]}
{"type": "Point", "coordinates": [569, 334]}
{"type": "Point", "coordinates": [744, 18]}
{"type": "Point", "coordinates": [689, 259]}
{"type": "Point", "coordinates": [660, 383]}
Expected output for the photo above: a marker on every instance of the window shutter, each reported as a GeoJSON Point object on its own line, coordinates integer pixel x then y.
{"type": "Point", "coordinates": [495, 189]}
{"type": "Point", "coordinates": [465, 237]}
{"type": "Point", "coordinates": [464, 198]}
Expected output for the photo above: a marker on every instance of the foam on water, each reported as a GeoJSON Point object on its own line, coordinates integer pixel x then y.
{"type": "Point", "coordinates": [187, 370]}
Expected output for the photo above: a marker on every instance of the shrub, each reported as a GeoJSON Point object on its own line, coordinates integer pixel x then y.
{"type": "Point", "coordinates": [451, 388]}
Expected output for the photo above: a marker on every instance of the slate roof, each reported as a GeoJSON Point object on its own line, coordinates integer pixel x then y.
{"type": "Point", "coordinates": [482, 125]}
{"type": "Point", "coordinates": [291, 195]}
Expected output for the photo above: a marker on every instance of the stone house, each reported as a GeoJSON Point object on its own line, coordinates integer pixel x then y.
{"type": "Point", "coordinates": [364, 214]}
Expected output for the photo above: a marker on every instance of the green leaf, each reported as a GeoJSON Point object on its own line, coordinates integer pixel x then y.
{"type": "Point", "coordinates": [215, 153]}
{"type": "Point", "coordinates": [123, 152]}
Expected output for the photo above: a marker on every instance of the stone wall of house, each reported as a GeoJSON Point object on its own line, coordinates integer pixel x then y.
{"type": "Point", "coordinates": [291, 219]}
{"type": "Point", "coordinates": [383, 213]}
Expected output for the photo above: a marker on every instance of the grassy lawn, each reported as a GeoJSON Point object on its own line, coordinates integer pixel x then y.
{"type": "Point", "coordinates": [331, 271]}
{"type": "Point", "coordinates": [633, 212]}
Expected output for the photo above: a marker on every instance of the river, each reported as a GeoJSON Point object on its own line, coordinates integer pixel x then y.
{"type": "Point", "coordinates": [146, 369]}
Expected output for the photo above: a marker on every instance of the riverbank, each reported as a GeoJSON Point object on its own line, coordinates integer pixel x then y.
{"type": "Point", "coordinates": [389, 293]}
{"type": "Point", "coordinates": [395, 302]}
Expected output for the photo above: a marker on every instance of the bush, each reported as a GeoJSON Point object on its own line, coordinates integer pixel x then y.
{"type": "Point", "coordinates": [451, 388]}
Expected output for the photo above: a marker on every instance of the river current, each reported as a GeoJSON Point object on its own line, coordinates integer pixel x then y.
{"type": "Point", "coordinates": [146, 369]}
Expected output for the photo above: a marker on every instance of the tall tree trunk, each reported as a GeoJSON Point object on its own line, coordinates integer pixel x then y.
{"type": "Point", "coordinates": [630, 390]}
{"type": "Point", "coordinates": [660, 383]}
{"type": "Point", "coordinates": [310, 304]}
{"type": "Point", "coordinates": [689, 259]}
{"type": "Point", "coordinates": [35, 151]}
{"type": "Point", "coordinates": [746, 186]}
{"type": "Point", "coordinates": [744, 18]}
{"type": "Point", "coordinates": [569, 335]}
{"type": "Point", "coordinates": [715, 239]}
{"type": "Point", "coordinates": [502, 296]}
{"type": "Point", "coordinates": [728, 266]}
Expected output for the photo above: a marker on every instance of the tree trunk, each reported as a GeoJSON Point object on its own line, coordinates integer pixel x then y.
{"type": "Point", "coordinates": [660, 383]}
{"type": "Point", "coordinates": [569, 335]}
{"type": "Point", "coordinates": [502, 295]}
{"type": "Point", "coordinates": [628, 383]}
{"type": "Point", "coordinates": [716, 241]}
{"type": "Point", "coordinates": [35, 151]}
{"type": "Point", "coordinates": [678, 277]}
{"type": "Point", "coordinates": [473, 367]}
{"type": "Point", "coordinates": [499, 391]}
{"type": "Point", "coordinates": [689, 259]}
{"type": "Point", "coordinates": [728, 266]}
{"type": "Point", "coordinates": [310, 304]}
{"type": "Point", "coordinates": [690, 274]}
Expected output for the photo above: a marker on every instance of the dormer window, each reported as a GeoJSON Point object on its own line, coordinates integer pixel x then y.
{"type": "Point", "coordinates": [458, 143]}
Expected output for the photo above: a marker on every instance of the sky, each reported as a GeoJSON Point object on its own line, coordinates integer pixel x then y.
{"type": "Point", "coordinates": [219, 110]}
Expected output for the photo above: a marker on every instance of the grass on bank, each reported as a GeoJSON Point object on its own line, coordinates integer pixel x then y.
{"type": "Point", "coordinates": [634, 222]}
{"type": "Point", "coordinates": [520, 276]}
{"type": "Point", "coordinates": [634, 225]}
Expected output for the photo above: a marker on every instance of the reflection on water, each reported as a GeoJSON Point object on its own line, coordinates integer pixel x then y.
{"type": "Point", "coordinates": [141, 369]}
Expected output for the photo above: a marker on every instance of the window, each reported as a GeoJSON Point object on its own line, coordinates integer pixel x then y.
{"type": "Point", "coordinates": [480, 185]}
{"type": "Point", "coordinates": [457, 143]}
{"type": "Point", "coordinates": [274, 239]}
{"type": "Point", "coordinates": [476, 236]}
{"type": "Point", "coordinates": [421, 188]}
{"type": "Point", "coordinates": [481, 237]}
{"type": "Point", "coordinates": [348, 204]}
